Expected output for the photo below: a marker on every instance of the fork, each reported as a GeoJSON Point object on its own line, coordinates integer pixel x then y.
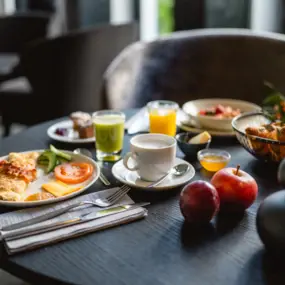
{"type": "Point", "coordinates": [100, 202]}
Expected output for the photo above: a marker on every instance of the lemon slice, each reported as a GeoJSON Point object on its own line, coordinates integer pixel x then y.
{"type": "Point", "coordinates": [201, 138]}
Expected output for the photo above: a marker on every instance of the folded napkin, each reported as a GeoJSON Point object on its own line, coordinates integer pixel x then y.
{"type": "Point", "coordinates": [138, 123]}
{"type": "Point", "coordinates": [38, 240]}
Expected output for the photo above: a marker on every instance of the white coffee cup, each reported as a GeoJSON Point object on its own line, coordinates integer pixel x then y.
{"type": "Point", "coordinates": [152, 155]}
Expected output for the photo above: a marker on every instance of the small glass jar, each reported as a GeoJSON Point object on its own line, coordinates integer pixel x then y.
{"type": "Point", "coordinates": [213, 159]}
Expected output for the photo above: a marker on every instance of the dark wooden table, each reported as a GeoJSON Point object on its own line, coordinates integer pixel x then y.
{"type": "Point", "coordinates": [160, 249]}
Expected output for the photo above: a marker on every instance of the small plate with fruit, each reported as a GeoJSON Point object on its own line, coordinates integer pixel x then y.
{"type": "Point", "coordinates": [79, 129]}
{"type": "Point", "coordinates": [217, 114]}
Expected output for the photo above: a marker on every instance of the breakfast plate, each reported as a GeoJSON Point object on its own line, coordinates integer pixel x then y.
{"type": "Point", "coordinates": [34, 188]}
{"type": "Point", "coordinates": [71, 136]}
{"type": "Point", "coordinates": [133, 180]}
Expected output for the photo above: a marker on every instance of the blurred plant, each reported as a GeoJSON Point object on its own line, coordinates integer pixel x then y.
{"type": "Point", "coordinates": [274, 103]}
{"type": "Point", "coordinates": [166, 18]}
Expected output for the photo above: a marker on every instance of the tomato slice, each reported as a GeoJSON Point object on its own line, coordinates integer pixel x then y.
{"type": "Point", "coordinates": [74, 172]}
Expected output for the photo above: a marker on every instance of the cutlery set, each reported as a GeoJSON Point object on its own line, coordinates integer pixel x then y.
{"type": "Point", "coordinates": [33, 226]}
{"type": "Point", "coordinates": [90, 216]}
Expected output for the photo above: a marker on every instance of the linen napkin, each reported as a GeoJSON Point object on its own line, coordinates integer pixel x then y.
{"type": "Point", "coordinates": [138, 123]}
{"type": "Point", "coordinates": [38, 240]}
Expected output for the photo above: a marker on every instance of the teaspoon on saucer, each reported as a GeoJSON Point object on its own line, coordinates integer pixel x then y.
{"type": "Point", "coordinates": [86, 152]}
{"type": "Point", "coordinates": [177, 170]}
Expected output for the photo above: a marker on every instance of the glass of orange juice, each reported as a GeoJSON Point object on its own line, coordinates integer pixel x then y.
{"type": "Point", "coordinates": [162, 117]}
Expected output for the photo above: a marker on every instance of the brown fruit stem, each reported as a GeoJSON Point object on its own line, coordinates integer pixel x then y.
{"type": "Point", "coordinates": [238, 167]}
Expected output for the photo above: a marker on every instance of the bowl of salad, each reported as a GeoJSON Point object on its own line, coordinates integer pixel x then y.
{"type": "Point", "coordinates": [216, 113]}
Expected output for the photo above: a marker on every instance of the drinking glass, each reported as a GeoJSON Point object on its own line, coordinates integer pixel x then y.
{"type": "Point", "coordinates": [109, 134]}
{"type": "Point", "coordinates": [162, 117]}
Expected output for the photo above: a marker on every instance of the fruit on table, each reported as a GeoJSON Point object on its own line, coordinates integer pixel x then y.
{"type": "Point", "coordinates": [237, 189]}
{"type": "Point", "coordinates": [201, 138]}
{"type": "Point", "coordinates": [270, 221]}
{"type": "Point", "coordinates": [199, 202]}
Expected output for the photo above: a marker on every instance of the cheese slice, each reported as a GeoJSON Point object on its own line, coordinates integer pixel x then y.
{"type": "Point", "coordinates": [59, 189]}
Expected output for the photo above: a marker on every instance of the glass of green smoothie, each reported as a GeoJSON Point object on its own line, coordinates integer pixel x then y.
{"type": "Point", "coordinates": [109, 134]}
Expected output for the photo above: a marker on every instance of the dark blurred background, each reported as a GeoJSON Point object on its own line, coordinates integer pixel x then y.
{"type": "Point", "coordinates": [44, 28]}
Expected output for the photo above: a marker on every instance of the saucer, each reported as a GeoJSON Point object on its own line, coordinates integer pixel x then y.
{"type": "Point", "coordinates": [132, 179]}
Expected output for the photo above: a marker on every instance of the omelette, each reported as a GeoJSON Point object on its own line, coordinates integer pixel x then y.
{"type": "Point", "coordinates": [16, 173]}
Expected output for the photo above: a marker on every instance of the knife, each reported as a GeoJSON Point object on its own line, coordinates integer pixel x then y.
{"type": "Point", "coordinates": [90, 216]}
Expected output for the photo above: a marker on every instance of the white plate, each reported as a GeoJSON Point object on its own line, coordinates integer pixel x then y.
{"type": "Point", "coordinates": [132, 179]}
{"type": "Point", "coordinates": [35, 186]}
{"type": "Point", "coordinates": [184, 124]}
{"type": "Point", "coordinates": [72, 136]}
{"type": "Point", "coordinates": [192, 109]}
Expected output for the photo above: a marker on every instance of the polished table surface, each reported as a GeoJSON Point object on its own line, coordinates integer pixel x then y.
{"type": "Point", "coordinates": [160, 249]}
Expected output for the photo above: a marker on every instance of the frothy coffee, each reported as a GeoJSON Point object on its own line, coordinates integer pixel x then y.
{"type": "Point", "coordinates": [153, 155]}
{"type": "Point", "coordinates": [152, 144]}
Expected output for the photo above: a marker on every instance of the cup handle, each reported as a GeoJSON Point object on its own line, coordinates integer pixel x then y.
{"type": "Point", "coordinates": [126, 160]}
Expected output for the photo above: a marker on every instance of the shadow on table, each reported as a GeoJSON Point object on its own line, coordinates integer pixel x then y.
{"type": "Point", "coordinates": [197, 235]}
{"type": "Point", "coordinates": [265, 175]}
{"type": "Point", "coordinates": [226, 222]}
{"type": "Point", "coordinates": [262, 268]}
{"type": "Point", "coordinates": [263, 169]}
{"type": "Point", "coordinates": [273, 269]}
{"type": "Point", "coordinates": [154, 196]}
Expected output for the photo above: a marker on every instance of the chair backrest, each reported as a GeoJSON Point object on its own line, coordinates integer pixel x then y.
{"type": "Point", "coordinates": [16, 30]}
{"type": "Point", "coordinates": [67, 71]}
{"type": "Point", "coordinates": [210, 63]}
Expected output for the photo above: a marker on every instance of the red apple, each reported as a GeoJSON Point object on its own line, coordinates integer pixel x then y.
{"type": "Point", "coordinates": [237, 189]}
{"type": "Point", "coordinates": [199, 202]}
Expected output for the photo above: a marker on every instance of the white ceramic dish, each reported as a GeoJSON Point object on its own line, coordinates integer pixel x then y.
{"type": "Point", "coordinates": [186, 124]}
{"type": "Point", "coordinates": [35, 186]}
{"type": "Point", "coordinates": [192, 109]}
{"type": "Point", "coordinates": [133, 180]}
{"type": "Point", "coordinates": [72, 135]}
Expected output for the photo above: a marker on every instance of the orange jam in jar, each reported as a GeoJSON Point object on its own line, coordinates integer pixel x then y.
{"type": "Point", "coordinates": [213, 159]}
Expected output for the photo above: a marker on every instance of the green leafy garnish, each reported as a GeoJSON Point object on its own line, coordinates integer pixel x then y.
{"type": "Point", "coordinates": [52, 157]}
{"type": "Point", "coordinates": [274, 104]}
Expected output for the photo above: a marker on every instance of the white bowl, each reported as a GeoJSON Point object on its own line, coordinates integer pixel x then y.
{"type": "Point", "coordinates": [192, 109]}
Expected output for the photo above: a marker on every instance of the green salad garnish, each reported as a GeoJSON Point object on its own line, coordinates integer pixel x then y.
{"type": "Point", "coordinates": [52, 157]}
